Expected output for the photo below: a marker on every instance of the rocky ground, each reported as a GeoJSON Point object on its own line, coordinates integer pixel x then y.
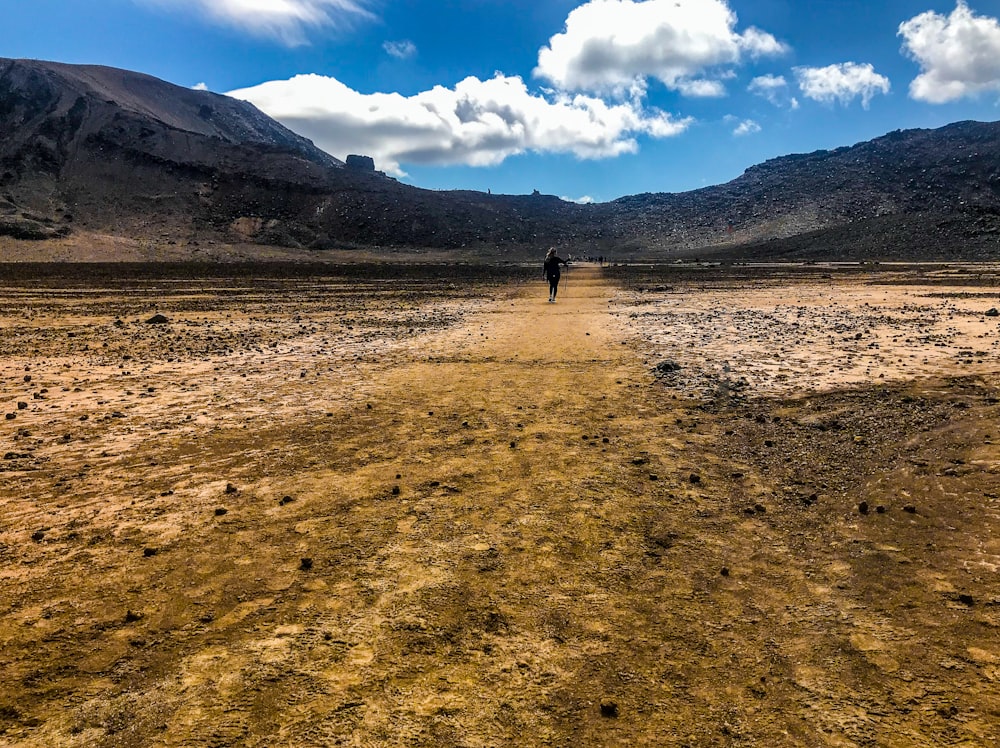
{"type": "Point", "coordinates": [703, 507]}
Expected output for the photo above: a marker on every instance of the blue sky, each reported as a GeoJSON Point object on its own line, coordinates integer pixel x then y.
{"type": "Point", "coordinates": [585, 100]}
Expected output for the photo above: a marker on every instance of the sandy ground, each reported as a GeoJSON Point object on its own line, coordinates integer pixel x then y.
{"type": "Point", "coordinates": [332, 512]}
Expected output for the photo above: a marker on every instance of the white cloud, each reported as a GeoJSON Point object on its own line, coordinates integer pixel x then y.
{"type": "Point", "coordinates": [285, 20]}
{"type": "Point", "coordinates": [477, 123]}
{"type": "Point", "coordinates": [843, 82]}
{"type": "Point", "coordinates": [403, 50]}
{"type": "Point", "coordinates": [746, 127]}
{"type": "Point", "coordinates": [585, 200]}
{"type": "Point", "coordinates": [200, 86]}
{"type": "Point", "coordinates": [775, 89]}
{"type": "Point", "coordinates": [615, 45]}
{"type": "Point", "coordinates": [958, 54]}
{"type": "Point", "coordinates": [701, 88]}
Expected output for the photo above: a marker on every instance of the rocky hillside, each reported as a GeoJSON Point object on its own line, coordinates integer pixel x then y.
{"type": "Point", "coordinates": [908, 194]}
{"type": "Point", "coordinates": [96, 149]}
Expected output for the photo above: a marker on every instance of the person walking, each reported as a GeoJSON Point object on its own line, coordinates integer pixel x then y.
{"type": "Point", "coordinates": [550, 270]}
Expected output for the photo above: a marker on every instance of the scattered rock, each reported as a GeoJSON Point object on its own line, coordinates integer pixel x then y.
{"type": "Point", "coordinates": [157, 319]}
{"type": "Point", "coordinates": [38, 535]}
{"type": "Point", "coordinates": [147, 552]}
{"type": "Point", "coordinates": [22, 406]}
{"type": "Point", "coordinates": [219, 511]}
{"type": "Point", "coordinates": [132, 617]}
{"type": "Point", "coordinates": [285, 500]}
{"type": "Point", "coordinates": [666, 367]}
{"type": "Point", "coordinates": [609, 709]}
{"type": "Point", "coordinates": [910, 509]}
{"type": "Point", "coordinates": [231, 489]}
{"type": "Point", "coordinates": [993, 312]}
{"type": "Point", "coordinates": [966, 599]}
{"type": "Point", "coordinates": [305, 564]}
{"type": "Point", "coordinates": [694, 478]}
{"type": "Point", "coordinates": [863, 507]}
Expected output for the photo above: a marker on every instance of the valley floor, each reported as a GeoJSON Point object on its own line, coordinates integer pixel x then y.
{"type": "Point", "coordinates": [670, 509]}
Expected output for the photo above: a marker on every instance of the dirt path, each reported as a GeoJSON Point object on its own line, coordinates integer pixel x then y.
{"type": "Point", "coordinates": [499, 531]}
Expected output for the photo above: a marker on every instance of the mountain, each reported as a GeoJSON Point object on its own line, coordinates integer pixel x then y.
{"type": "Point", "coordinates": [101, 150]}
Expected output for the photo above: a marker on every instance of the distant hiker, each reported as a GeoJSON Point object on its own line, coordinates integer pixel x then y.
{"type": "Point", "coordinates": [551, 272]}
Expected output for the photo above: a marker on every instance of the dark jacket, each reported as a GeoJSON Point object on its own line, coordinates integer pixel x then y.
{"type": "Point", "coordinates": [551, 267]}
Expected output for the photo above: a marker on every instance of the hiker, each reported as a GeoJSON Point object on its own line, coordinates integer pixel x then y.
{"type": "Point", "coordinates": [551, 272]}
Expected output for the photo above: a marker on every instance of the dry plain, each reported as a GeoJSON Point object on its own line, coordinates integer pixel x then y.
{"type": "Point", "coordinates": [423, 507]}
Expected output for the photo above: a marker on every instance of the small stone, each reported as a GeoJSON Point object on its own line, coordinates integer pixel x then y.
{"type": "Point", "coordinates": [694, 478]}
{"type": "Point", "coordinates": [147, 552]}
{"type": "Point", "coordinates": [513, 445]}
{"type": "Point", "coordinates": [305, 564]}
{"type": "Point", "coordinates": [993, 312]}
{"type": "Point", "coordinates": [157, 319]}
{"type": "Point", "coordinates": [11, 416]}
{"type": "Point", "coordinates": [27, 377]}
{"type": "Point", "coordinates": [609, 709]}
{"type": "Point", "coordinates": [231, 489]}
{"type": "Point", "coordinates": [863, 507]}
{"type": "Point", "coordinates": [219, 511]}
{"type": "Point", "coordinates": [22, 406]}
{"type": "Point", "coordinates": [967, 600]}
{"type": "Point", "coordinates": [286, 500]}
{"type": "Point", "coordinates": [395, 490]}
{"type": "Point", "coordinates": [38, 535]}
{"type": "Point", "coordinates": [910, 509]}
{"type": "Point", "coordinates": [132, 617]}
{"type": "Point", "coordinates": [654, 476]}
{"type": "Point", "coordinates": [724, 571]}
{"type": "Point", "coordinates": [667, 367]}
{"type": "Point", "coordinates": [880, 509]}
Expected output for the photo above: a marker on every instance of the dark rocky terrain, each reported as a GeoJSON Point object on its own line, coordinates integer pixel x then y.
{"type": "Point", "coordinates": [100, 150]}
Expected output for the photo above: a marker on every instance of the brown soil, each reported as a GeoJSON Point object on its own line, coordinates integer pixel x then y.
{"type": "Point", "coordinates": [438, 513]}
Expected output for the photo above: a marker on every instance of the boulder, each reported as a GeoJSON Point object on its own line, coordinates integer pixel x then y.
{"type": "Point", "coordinates": [360, 163]}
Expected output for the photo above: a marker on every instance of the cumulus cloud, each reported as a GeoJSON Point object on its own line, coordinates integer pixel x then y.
{"type": "Point", "coordinates": [959, 54]}
{"type": "Point", "coordinates": [476, 123]}
{"type": "Point", "coordinates": [584, 200]}
{"type": "Point", "coordinates": [200, 86]}
{"type": "Point", "coordinates": [284, 20]}
{"type": "Point", "coordinates": [746, 127]}
{"type": "Point", "coordinates": [775, 89]}
{"type": "Point", "coordinates": [403, 50]}
{"type": "Point", "coordinates": [843, 82]}
{"type": "Point", "coordinates": [616, 45]}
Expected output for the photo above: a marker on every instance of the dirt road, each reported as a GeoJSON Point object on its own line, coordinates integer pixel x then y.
{"type": "Point", "coordinates": [473, 518]}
